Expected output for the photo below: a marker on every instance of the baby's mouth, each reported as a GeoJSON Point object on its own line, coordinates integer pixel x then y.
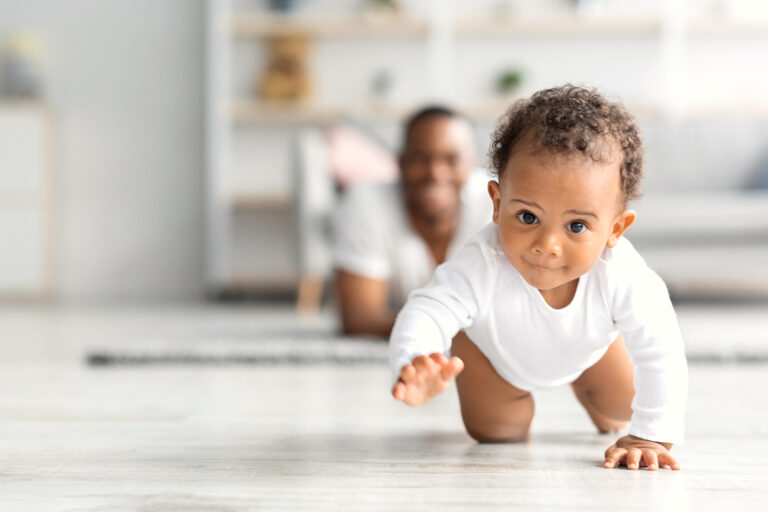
{"type": "Point", "coordinates": [541, 268]}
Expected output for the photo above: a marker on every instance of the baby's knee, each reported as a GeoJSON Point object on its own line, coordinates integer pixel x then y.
{"type": "Point", "coordinates": [497, 432]}
{"type": "Point", "coordinates": [504, 423]}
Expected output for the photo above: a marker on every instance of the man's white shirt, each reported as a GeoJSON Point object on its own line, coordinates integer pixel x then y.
{"type": "Point", "coordinates": [373, 236]}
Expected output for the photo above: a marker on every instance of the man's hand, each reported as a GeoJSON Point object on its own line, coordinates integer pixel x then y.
{"type": "Point", "coordinates": [426, 377]}
{"type": "Point", "coordinates": [634, 452]}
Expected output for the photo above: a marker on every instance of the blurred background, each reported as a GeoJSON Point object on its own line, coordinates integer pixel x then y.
{"type": "Point", "coordinates": [189, 150]}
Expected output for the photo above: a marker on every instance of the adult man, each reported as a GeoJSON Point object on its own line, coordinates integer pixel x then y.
{"type": "Point", "coordinates": [390, 237]}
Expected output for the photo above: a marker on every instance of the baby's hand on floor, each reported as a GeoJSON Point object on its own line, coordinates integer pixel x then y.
{"type": "Point", "coordinates": [634, 451]}
{"type": "Point", "coordinates": [426, 377]}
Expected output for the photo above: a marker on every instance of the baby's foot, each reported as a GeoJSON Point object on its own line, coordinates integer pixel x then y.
{"type": "Point", "coordinates": [426, 377]}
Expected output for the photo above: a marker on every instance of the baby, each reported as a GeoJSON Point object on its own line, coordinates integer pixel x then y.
{"type": "Point", "coordinates": [551, 293]}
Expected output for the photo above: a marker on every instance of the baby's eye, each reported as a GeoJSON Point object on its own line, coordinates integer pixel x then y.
{"type": "Point", "coordinates": [577, 227]}
{"type": "Point", "coordinates": [527, 217]}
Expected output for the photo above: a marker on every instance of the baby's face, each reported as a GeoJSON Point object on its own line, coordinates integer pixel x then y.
{"type": "Point", "coordinates": [556, 213]}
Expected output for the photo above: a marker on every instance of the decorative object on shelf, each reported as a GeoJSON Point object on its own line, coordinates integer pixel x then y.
{"type": "Point", "coordinates": [381, 87]}
{"type": "Point", "coordinates": [589, 8]}
{"type": "Point", "coordinates": [760, 182]}
{"type": "Point", "coordinates": [503, 10]}
{"type": "Point", "coordinates": [508, 81]}
{"type": "Point", "coordinates": [22, 66]}
{"type": "Point", "coordinates": [380, 8]}
{"type": "Point", "coordinates": [286, 77]}
{"type": "Point", "coordinates": [355, 156]}
{"type": "Point", "coordinates": [283, 6]}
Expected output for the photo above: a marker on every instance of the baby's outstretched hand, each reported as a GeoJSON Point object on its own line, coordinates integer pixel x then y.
{"type": "Point", "coordinates": [634, 451]}
{"type": "Point", "coordinates": [426, 377]}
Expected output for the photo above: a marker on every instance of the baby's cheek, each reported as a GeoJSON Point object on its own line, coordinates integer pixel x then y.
{"type": "Point", "coordinates": [589, 256]}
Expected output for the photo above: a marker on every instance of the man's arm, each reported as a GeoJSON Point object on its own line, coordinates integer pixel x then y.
{"type": "Point", "coordinates": [363, 303]}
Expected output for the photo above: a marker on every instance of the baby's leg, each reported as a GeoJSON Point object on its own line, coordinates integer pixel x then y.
{"type": "Point", "coordinates": [606, 388]}
{"type": "Point", "coordinates": [493, 410]}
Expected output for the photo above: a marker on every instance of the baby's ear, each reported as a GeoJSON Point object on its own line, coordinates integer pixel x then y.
{"type": "Point", "coordinates": [620, 225]}
{"type": "Point", "coordinates": [495, 193]}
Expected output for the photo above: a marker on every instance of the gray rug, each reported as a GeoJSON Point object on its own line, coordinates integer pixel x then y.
{"type": "Point", "coordinates": [253, 349]}
{"type": "Point", "coordinates": [307, 350]}
{"type": "Point", "coordinates": [300, 346]}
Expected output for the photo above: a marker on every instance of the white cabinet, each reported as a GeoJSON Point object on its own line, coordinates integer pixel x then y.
{"type": "Point", "coordinates": [25, 202]}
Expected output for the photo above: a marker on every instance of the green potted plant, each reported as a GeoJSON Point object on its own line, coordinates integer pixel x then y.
{"type": "Point", "coordinates": [508, 81]}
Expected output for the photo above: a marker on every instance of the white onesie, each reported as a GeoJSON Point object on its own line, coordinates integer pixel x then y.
{"type": "Point", "coordinates": [533, 346]}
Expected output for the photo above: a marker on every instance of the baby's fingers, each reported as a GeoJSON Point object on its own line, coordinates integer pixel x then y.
{"type": "Point", "coordinates": [452, 368]}
{"type": "Point", "coordinates": [633, 458]}
{"type": "Point", "coordinates": [399, 390]}
{"type": "Point", "coordinates": [665, 459]}
{"type": "Point", "coordinates": [410, 376]}
{"type": "Point", "coordinates": [649, 456]}
{"type": "Point", "coordinates": [613, 457]}
{"type": "Point", "coordinates": [424, 365]}
{"type": "Point", "coordinates": [439, 358]}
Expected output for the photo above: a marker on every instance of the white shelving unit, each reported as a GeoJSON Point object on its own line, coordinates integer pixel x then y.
{"type": "Point", "coordinates": [439, 43]}
{"type": "Point", "coordinates": [26, 196]}
{"type": "Point", "coordinates": [236, 205]}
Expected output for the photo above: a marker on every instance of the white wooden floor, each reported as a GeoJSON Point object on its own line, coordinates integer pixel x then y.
{"type": "Point", "coordinates": [322, 437]}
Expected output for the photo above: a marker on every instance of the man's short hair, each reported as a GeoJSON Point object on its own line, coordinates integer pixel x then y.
{"type": "Point", "coordinates": [428, 112]}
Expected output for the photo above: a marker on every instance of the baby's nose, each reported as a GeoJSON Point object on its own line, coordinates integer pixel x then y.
{"type": "Point", "coordinates": [548, 245]}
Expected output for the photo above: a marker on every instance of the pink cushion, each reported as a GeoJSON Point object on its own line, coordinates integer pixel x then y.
{"type": "Point", "coordinates": [354, 158]}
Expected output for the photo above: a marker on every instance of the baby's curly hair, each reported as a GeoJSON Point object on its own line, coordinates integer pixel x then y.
{"type": "Point", "coordinates": [572, 119]}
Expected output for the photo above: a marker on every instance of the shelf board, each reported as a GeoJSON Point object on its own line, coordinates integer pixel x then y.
{"type": "Point", "coordinates": [251, 112]}
{"type": "Point", "coordinates": [244, 283]}
{"type": "Point", "coordinates": [257, 25]}
{"type": "Point", "coordinates": [559, 25]}
{"type": "Point", "coordinates": [741, 111]}
{"type": "Point", "coordinates": [725, 26]}
{"type": "Point", "coordinates": [254, 112]}
{"type": "Point", "coordinates": [245, 201]}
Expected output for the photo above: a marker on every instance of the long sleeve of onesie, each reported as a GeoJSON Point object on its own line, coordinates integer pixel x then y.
{"type": "Point", "coordinates": [435, 313]}
{"type": "Point", "coordinates": [643, 313]}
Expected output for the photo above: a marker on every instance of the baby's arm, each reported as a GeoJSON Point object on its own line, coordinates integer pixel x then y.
{"type": "Point", "coordinates": [647, 320]}
{"type": "Point", "coordinates": [425, 327]}
{"type": "Point", "coordinates": [422, 334]}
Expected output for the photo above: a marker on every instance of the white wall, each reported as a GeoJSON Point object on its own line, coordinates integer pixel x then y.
{"type": "Point", "coordinates": [125, 81]}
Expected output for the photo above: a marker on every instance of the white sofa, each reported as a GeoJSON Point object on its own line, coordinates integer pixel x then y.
{"type": "Point", "coordinates": [709, 244]}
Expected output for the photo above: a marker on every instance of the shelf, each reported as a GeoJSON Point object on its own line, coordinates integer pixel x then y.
{"type": "Point", "coordinates": [256, 25]}
{"type": "Point", "coordinates": [254, 112]}
{"type": "Point", "coordinates": [725, 26]}
{"type": "Point", "coordinates": [755, 112]}
{"type": "Point", "coordinates": [562, 25]}
{"type": "Point", "coordinates": [261, 283]}
{"type": "Point", "coordinates": [245, 201]}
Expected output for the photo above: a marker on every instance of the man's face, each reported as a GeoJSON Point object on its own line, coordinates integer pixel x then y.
{"type": "Point", "coordinates": [556, 213]}
{"type": "Point", "coordinates": [435, 164]}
